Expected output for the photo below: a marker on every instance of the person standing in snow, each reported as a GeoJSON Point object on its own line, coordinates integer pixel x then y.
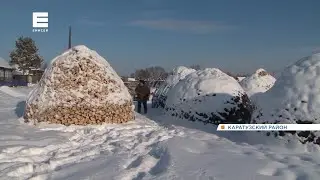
{"type": "Point", "coordinates": [143, 94]}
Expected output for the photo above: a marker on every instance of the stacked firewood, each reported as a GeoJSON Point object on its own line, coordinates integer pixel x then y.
{"type": "Point", "coordinates": [78, 90]}
{"type": "Point", "coordinates": [82, 115]}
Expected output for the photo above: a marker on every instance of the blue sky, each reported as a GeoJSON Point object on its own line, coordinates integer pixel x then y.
{"type": "Point", "coordinates": [234, 35]}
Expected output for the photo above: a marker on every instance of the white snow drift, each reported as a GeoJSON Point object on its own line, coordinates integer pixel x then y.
{"type": "Point", "coordinates": [210, 96]}
{"type": "Point", "coordinates": [258, 82]}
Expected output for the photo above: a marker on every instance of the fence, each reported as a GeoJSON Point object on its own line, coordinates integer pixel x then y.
{"type": "Point", "coordinates": [21, 80]}
{"type": "Point", "coordinates": [13, 83]}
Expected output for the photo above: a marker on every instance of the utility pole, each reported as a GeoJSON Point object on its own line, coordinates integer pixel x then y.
{"type": "Point", "coordinates": [69, 46]}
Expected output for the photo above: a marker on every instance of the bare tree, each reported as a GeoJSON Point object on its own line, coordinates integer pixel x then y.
{"type": "Point", "coordinates": [157, 73]}
{"type": "Point", "coordinates": [154, 73]}
{"type": "Point", "coordinates": [141, 74]}
{"type": "Point", "coordinates": [195, 67]}
{"type": "Point", "coordinates": [132, 75]}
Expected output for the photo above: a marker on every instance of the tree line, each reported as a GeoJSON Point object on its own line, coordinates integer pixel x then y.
{"type": "Point", "coordinates": [155, 73]}
{"type": "Point", "coordinates": [25, 57]}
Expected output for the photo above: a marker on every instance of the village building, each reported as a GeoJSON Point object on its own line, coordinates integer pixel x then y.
{"type": "Point", "coordinates": [6, 72]}
{"type": "Point", "coordinates": [12, 76]}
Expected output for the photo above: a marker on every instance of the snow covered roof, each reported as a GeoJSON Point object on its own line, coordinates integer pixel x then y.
{"type": "Point", "coordinates": [36, 69]}
{"type": "Point", "coordinates": [131, 79]}
{"type": "Point", "coordinates": [4, 63]}
{"type": "Point", "coordinates": [15, 72]}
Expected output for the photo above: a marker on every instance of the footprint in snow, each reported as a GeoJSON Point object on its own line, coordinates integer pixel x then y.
{"type": "Point", "coordinates": [156, 161]}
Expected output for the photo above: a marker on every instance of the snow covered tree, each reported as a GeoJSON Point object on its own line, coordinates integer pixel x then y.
{"type": "Point", "coordinates": [25, 55]}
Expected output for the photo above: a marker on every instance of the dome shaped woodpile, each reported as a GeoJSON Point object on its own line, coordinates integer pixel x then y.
{"type": "Point", "coordinates": [79, 87]}
{"type": "Point", "coordinates": [209, 96]}
{"type": "Point", "coordinates": [293, 99]}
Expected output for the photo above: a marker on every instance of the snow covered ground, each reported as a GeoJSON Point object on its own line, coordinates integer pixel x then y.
{"type": "Point", "coordinates": [152, 147]}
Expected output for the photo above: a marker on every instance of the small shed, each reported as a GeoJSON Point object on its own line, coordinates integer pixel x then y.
{"type": "Point", "coordinates": [31, 76]}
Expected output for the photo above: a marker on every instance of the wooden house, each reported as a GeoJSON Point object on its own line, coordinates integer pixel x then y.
{"type": "Point", "coordinates": [6, 72]}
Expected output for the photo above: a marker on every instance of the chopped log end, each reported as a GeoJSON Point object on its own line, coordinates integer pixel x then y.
{"type": "Point", "coordinates": [82, 115]}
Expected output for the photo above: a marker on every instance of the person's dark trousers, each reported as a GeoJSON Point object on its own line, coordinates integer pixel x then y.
{"type": "Point", "coordinates": [144, 103]}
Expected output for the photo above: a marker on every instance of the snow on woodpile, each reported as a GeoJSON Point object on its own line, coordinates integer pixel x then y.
{"type": "Point", "coordinates": [79, 87]}
{"type": "Point", "coordinates": [240, 78]}
{"type": "Point", "coordinates": [209, 96]}
{"type": "Point", "coordinates": [295, 98]}
{"type": "Point", "coordinates": [160, 95]}
{"type": "Point", "coordinates": [258, 82]}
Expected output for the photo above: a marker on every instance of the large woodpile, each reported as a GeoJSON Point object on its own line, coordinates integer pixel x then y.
{"type": "Point", "coordinates": [209, 96]}
{"type": "Point", "coordinates": [259, 82]}
{"type": "Point", "coordinates": [80, 87]}
{"type": "Point", "coordinates": [159, 97]}
{"type": "Point", "coordinates": [131, 85]}
{"type": "Point", "coordinates": [293, 99]}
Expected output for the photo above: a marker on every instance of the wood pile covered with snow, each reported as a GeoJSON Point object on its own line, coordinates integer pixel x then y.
{"type": "Point", "coordinates": [79, 87]}
{"type": "Point", "coordinates": [160, 95]}
{"type": "Point", "coordinates": [259, 82]}
{"type": "Point", "coordinates": [294, 99]}
{"type": "Point", "coordinates": [209, 96]}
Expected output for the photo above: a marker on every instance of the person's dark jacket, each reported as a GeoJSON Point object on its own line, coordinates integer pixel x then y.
{"type": "Point", "coordinates": [142, 92]}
